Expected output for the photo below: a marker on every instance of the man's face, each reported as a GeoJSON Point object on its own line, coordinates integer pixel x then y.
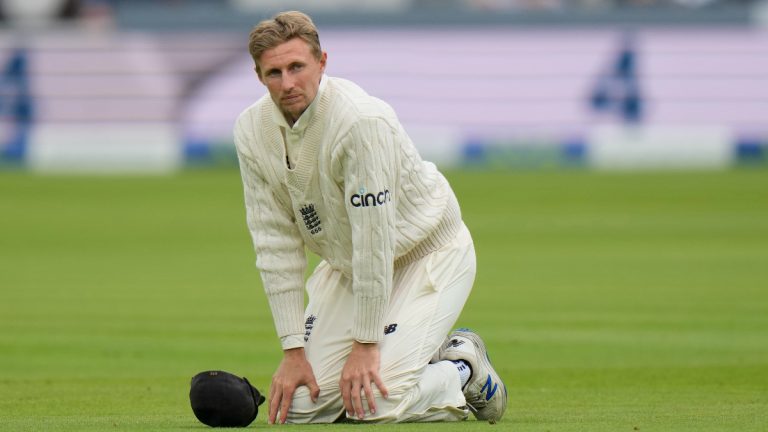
{"type": "Point", "coordinates": [292, 75]}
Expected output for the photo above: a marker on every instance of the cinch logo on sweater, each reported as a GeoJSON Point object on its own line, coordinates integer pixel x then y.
{"type": "Point", "coordinates": [370, 199]}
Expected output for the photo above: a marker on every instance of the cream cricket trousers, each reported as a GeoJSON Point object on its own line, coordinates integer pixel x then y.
{"type": "Point", "coordinates": [427, 298]}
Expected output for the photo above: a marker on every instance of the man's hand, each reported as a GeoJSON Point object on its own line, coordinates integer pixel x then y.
{"type": "Point", "coordinates": [360, 370]}
{"type": "Point", "coordinates": [294, 371]}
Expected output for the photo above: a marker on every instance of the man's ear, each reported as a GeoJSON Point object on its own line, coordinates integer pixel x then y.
{"type": "Point", "coordinates": [323, 61]}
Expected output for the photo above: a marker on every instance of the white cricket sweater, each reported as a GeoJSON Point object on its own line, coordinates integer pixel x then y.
{"type": "Point", "coordinates": [358, 195]}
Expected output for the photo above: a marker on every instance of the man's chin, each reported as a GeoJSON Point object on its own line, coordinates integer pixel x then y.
{"type": "Point", "coordinates": [293, 112]}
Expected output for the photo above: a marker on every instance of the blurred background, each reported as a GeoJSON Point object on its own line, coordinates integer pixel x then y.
{"type": "Point", "coordinates": [612, 300]}
{"type": "Point", "coordinates": [114, 86]}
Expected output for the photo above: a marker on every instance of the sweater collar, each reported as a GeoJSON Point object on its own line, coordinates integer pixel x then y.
{"type": "Point", "coordinates": [306, 117]}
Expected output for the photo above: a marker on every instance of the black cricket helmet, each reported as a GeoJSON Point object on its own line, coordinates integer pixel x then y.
{"type": "Point", "coordinates": [221, 399]}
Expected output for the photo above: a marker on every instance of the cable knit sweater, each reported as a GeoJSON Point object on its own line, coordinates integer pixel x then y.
{"type": "Point", "coordinates": [346, 183]}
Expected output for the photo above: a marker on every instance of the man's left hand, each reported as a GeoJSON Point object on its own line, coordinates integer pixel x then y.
{"type": "Point", "coordinates": [360, 370]}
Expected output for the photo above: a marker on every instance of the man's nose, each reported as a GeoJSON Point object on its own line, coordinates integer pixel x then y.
{"type": "Point", "coordinates": [288, 82]}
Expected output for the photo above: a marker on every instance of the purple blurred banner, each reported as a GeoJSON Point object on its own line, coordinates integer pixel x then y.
{"type": "Point", "coordinates": [457, 91]}
{"type": "Point", "coordinates": [519, 81]}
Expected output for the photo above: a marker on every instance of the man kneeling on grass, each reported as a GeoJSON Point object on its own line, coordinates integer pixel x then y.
{"type": "Point", "coordinates": [327, 167]}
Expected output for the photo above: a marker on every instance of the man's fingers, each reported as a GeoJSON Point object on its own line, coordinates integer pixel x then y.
{"type": "Point", "coordinates": [274, 402]}
{"type": "Point", "coordinates": [314, 391]}
{"type": "Point", "coordinates": [345, 396]}
{"type": "Point", "coordinates": [279, 402]}
{"type": "Point", "coordinates": [380, 385]}
{"type": "Point", "coordinates": [353, 391]}
{"type": "Point", "coordinates": [369, 396]}
{"type": "Point", "coordinates": [357, 401]}
{"type": "Point", "coordinates": [286, 404]}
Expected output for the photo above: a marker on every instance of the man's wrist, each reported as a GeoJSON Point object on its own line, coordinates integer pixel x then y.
{"type": "Point", "coordinates": [294, 352]}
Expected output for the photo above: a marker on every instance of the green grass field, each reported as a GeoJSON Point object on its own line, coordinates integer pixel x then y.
{"type": "Point", "coordinates": [610, 302]}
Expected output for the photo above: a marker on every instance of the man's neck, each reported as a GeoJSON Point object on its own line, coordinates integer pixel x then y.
{"type": "Point", "coordinates": [290, 119]}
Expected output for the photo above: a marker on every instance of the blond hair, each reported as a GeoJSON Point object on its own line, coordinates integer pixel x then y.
{"type": "Point", "coordinates": [282, 28]}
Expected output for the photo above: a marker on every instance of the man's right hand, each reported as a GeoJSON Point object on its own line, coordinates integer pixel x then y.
{"type": "Point", "coordinates": [294, 371]}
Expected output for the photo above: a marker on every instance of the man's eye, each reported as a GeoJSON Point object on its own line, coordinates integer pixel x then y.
{"type": "Point", "coordinates": [273, 74]}
{"type": "Point", "coordinates": [297, 67]}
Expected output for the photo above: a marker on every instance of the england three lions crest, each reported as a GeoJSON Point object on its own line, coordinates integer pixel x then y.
{"type": "Point", "coordinates": [310, 218]}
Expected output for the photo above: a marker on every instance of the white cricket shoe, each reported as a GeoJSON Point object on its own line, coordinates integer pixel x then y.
{"type": "Point", "coordinates": [485, 393]}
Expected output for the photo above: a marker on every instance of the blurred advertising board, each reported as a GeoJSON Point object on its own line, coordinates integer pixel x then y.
{"type": "Point", "coordinates": [488, 97]}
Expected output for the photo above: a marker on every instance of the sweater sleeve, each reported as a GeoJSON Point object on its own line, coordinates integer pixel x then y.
{"type": "Point", "coordinates": [280, 255]}
{"type": "Point", "coordinates": [370, 176]}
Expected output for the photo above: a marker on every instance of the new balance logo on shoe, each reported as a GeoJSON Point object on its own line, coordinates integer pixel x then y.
{"type": "Point", "coordinates": [489, 388]}
{"type": "Point", "coordinates": [484, 397]}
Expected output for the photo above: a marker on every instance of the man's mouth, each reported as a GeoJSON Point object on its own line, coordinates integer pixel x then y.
{"type": "Point", "coordinates": [291, 98]}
